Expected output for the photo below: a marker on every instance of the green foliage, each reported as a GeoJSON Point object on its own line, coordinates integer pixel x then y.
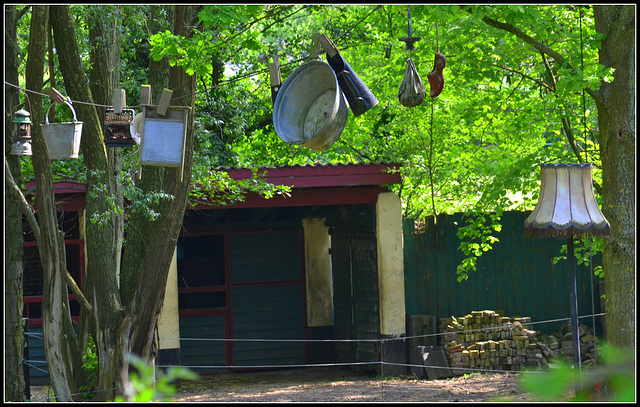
{"type": "Point", "coordinates": [584, 249]}
{"type": "Point", "coordinates": [142, 386]}
{"type": "Point", "coordinates": [476, 238]}
{"type": "Point", "coordinates": [217, 188]}
{"type": "Point", "coordinates": [90, 370]}
{"type": "Point", "coordinates": [614, 380]}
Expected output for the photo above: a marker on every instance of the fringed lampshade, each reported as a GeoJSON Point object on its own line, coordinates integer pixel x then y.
{"type": "Point", "coordinates": [567, 207]}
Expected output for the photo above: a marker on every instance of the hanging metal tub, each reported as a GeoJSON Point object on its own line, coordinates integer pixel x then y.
{"type": "Point", "coordinates": [310, 109]}
{"type": "Point", "coordinates": [62, 139]}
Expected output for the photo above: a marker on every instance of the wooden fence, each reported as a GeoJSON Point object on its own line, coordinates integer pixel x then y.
{"type": "Point", "coordinates": [518, 276]}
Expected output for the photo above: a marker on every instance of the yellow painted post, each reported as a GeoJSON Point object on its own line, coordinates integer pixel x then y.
{"type": "Point", "coordinates": [390, 264]}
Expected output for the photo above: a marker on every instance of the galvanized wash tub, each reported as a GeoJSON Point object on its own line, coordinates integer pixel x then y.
{"type": "Point", "coordinates": [310, 109]}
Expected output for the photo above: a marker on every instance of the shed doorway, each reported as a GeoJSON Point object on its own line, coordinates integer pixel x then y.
{"type": "Point", "coordinates": [355, 296]}
{"type": "Point", "coordinates": [240, 294]}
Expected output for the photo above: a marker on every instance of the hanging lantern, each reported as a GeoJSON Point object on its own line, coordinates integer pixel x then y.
{"type": "Point", "coordinates": [117, 128]}
{"type": "Point", "coordinates": [567, 207]}
{"type": "Point", "coordinates": [22, 145]}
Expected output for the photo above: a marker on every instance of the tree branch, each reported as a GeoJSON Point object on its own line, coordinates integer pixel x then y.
{"type": "Point", "coordinates": [543, 48]}
{"type": "Point", "coordinates": [26, 208]}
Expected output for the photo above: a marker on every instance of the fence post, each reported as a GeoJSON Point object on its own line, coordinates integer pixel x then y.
{"type": "Point", "coordinates": [25, 357]}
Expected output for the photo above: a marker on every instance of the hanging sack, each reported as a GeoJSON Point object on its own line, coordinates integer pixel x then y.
{"type": "Point", "coordinates": [412, 91]}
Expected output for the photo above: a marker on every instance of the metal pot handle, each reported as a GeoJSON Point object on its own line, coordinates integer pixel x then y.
{"type": "Point", "coordinates": [66, 102]}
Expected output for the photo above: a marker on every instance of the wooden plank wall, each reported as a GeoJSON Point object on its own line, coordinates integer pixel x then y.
{"type": "Point", "coordinates": [517, 276]}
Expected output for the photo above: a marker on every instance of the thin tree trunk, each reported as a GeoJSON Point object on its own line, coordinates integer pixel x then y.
{"type": "Point", "coordinates": [14, 242]}
{"type": "Point", "coordinates": [616, 122]}
{"type": "Point", "coordinates": [101, 264]}
{"type": "Point", "coordinates": [151, 244]}
{"type": "Point", "coordinates": [58, 341]}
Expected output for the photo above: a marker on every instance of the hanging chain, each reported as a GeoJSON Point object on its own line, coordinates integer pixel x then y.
{"type": "Point", "coordinates": [437, 40]}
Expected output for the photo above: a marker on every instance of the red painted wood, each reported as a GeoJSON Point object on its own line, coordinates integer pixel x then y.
{"type": "Point", "coordinates": [312, 185]}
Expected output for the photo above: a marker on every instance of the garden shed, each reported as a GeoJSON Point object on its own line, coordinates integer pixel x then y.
{"type": "Point", "coordinates": [255, 281]}
{"type": "Point", "coordinates": [267, 282]}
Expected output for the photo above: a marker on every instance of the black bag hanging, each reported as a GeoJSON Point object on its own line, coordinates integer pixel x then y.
{"type": "Point", "coordinates": [412, 91]}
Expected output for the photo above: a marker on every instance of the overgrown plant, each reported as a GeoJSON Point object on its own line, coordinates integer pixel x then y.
{"type": "Point", "coordinates": [90, 370]}
{"type": "Point", "coordinates": [143, 385]}
{"type": "Point", "coordinates": [614, 380]}
{"type": "Point", "coordinates": [584, 250]}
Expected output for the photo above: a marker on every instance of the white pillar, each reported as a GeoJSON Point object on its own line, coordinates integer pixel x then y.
{"type": "Point", "coordinates": [318, 273]}
{"type": "Point", "coordinates": [169, 320]}
{"type": "Point", "coordinates": [390, 264]}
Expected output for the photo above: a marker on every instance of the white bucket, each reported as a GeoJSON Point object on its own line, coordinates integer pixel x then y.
{"type": "Point", "coordinates": [62, 139]}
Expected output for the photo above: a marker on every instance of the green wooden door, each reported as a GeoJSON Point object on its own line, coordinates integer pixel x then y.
{"type": "Point", "coordinates": [356, 299]}
{"type": "Point", "coordinates": [267, 298]}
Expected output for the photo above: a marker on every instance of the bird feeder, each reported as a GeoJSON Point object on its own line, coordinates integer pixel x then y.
{"type": "Point", "coordinates": [22, 131]}
{"type": "Point", "coordinates": [62, 139]}
{"type": "Point", "coordinates": [163, 136]}
{"type": "Point", "coordinates": [117, 128]}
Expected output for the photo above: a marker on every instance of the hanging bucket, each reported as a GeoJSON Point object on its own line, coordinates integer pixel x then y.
{"type": "Point", "coordinates": [62, 139]}
{"type": "Point", "coordinates": [310, 109]}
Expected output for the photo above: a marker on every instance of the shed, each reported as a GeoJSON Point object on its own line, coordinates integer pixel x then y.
{"type": "Point", "coordinates": [265, 282]}
{"type": "Point", "coordinates": [270, 282]}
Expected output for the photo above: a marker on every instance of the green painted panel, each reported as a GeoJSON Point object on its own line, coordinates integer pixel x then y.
{"type": "Point", "coordinates": [517, 276]}
{"type": "Point", "coordinates": [265, 256]}
{"type": "Point", "coordinates": [37, 362]}
{"type": "Point", "coordinates": [196, 349]}
{"type": "Point", "coordinates": [268, 312]}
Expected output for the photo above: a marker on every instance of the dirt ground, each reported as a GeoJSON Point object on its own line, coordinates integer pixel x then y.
{"type": "Point", "coordinates": [322, 384]}
{"type": "Point", "coordinates": [341, 385]}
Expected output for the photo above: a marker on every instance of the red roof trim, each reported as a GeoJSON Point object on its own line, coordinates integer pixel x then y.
{"type": "Point", "coordinates": [308, 197]}
{"type": "Point", "coordinates": [312, 185]}
{"type": "Point", "coordinates": [325, 176]}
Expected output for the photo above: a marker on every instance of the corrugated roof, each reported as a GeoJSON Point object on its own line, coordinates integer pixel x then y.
{"type": "Point", "coordinates": [323, 175]}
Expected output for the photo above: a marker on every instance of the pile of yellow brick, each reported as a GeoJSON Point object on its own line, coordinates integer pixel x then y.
{"type": "Point", "coordinates": [487, 340]}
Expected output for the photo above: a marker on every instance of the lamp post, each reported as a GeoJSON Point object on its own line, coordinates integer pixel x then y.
{"type": "Point", "coordinates": [22, 131]}
{"type": "Point", "coordinates": [567, 207]}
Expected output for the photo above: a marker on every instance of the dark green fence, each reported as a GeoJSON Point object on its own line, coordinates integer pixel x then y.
{"type": "Point", "coordinates": [517, 276]}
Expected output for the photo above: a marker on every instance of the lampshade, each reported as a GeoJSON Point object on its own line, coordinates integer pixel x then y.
{"type": "Point", "coordinates": [567, 205]}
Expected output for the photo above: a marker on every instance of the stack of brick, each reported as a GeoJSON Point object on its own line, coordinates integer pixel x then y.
{"type": "Point", "coordinates": [487, 340]}
{"type": "Point", "coordinates": [560, 344]}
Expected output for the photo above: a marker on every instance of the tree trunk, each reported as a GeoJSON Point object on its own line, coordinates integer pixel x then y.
{"type": "Point", "coordinates": [14, 242]}
{"type": "Point", "coordinates": [126, 313]}
{"type": "Point", "coordinates": [151, 245]}
{"type": "Point", "coordinates": [59, 342]}
{"type": "Point", "coordinates": [101, 265]}
{"type": "Point", "coordinates": [616, 121]}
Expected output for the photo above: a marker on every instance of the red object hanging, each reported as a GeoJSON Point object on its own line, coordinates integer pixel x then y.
{"type": "Point", "coordinates": [436, 77]}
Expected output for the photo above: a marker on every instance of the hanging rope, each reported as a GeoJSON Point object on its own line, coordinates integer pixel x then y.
{"type": "Point", "coordinates": [586, 155]}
